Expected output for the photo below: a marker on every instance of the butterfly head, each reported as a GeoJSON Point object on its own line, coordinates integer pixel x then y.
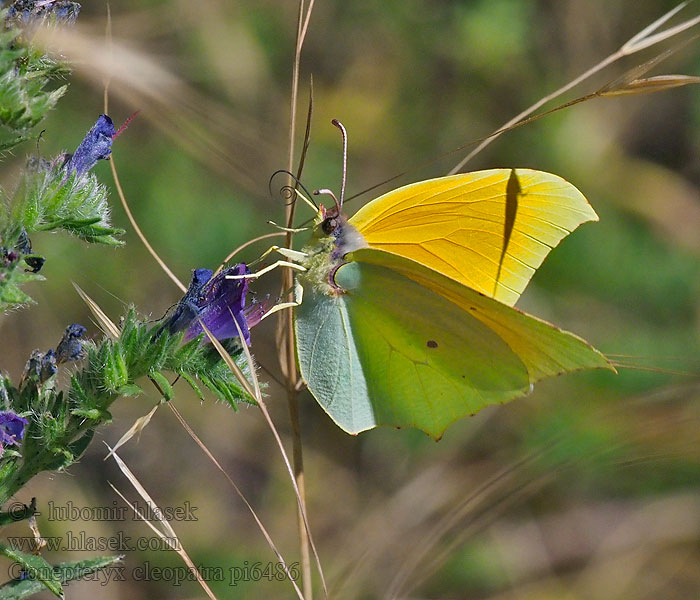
{"type": "Point", "coordinates": [335, 233]}
{"type": "Point", "coordinates": [333, 237]}
{"type": "Point", "coordinates": [329, 220]}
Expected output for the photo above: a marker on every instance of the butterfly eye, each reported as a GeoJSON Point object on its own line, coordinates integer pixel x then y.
{"type": "Point", "coordinates": [329, 225]}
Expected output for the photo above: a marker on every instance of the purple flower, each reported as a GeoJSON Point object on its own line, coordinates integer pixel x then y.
{"type": "Point", "coordinates": [96, 145]}
{"type": "Point", "coordinates": [189, 306]}
{"type": "Point", "coordinates": [217, 302]}
{"type": "Point", "coordinates": [11, 429]}
{"type": "Point", "coordinates": [222, 301]}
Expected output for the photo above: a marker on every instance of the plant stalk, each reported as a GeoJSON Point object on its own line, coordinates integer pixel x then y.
{"type": "Point", "coordinates": [290, 366]}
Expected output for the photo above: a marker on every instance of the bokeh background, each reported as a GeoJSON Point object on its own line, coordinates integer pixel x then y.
{"type": "Point", "coordinates": [589, 488]}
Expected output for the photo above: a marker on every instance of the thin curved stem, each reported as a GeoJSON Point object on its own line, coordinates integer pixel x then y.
{"type": "Point", "coordinates": [289, 358]}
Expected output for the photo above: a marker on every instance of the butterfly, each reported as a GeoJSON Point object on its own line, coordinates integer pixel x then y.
{"type": "Point", "coordinates": [406, 313]}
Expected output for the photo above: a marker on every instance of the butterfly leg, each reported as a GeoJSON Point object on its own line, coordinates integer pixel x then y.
{"type": "Point", "coordinates": [279, 263]}
{"type": "Point", "coordinates": [288, 253]}
{"type": "Point", "coordinates": [278, 307]}
{"type": "Point", "coordinates": [294, 255]}
{"type": "Point", "coordinates": [298, 295]}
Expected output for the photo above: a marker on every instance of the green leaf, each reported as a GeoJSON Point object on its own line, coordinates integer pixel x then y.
{"type": "Point", "coordinates": [36, 567]}
{"type": "Point", "coordinates": [193, 385]}
{"type": "Point", "coordinates": [66, 572]}
{"type": "Point", "coordinates": [130, 389]}
{"type": "Point", "coordinates": [163, 384]}
{"type": "Point", "coordinates": [78, 447]}
{"type": "Point", "coordinates": [88, 413]}
{"type": "Point", "coordinates": [25, 72]}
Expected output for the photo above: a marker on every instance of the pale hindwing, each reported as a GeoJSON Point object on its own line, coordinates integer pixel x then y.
{"type": "Point", "coordinates": [544, 349]}
{"type": "Point", "coordinates": [329, 362]}
{"type": "Point", "coordinates": [489, 230]}
{"type": "Point", "coordinates": [423, 361]}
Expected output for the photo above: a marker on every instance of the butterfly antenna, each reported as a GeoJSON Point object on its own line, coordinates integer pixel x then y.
{"type": "Point", "coordinates": [339, 125]}
{"type": "Point", "coordinates": [288, 192]}
{"type": "Point", "coordinates": [125, 125]}
{"type": "Point", "coordinates": [327, 192]}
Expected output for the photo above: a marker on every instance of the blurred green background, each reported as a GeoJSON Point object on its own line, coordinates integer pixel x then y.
{"type": "Point", "coordinates": [589, 488]}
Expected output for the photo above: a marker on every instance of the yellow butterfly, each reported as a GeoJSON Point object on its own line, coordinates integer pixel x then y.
{"type": "Point", "coordinates": [407, 317]}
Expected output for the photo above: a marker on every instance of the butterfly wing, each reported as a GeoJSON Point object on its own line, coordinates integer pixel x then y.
{"type": "Point", "coordinates": [489, 230]}
{"type": "Point", "coordinates": [408, 347]}
{"type": "Point", "coordinates": [545, 350]}
{"type": "Point", "coordinates": [408, 358]}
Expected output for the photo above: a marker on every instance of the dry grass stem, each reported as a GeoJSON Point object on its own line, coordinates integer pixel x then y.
{"type": "Point", "coordinates": [639, 42]}
{"type": "Point", "coordinates": [168, 534]}
{"type": "Point", "coordinates": [240, 494]}
{"type": "Point", "coordinates": [103, 321]}
{"type": "Point", "coordinates": [135, 429]}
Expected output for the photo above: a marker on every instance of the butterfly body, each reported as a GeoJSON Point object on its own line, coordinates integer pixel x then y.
{"type": "Point", "coordinates": [332, 239]}
{"type": "Point", "coordinates": [406, 318]}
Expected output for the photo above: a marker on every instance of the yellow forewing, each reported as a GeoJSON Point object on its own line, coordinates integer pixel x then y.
{"type": "Point", "coordinates": [489, 230]}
